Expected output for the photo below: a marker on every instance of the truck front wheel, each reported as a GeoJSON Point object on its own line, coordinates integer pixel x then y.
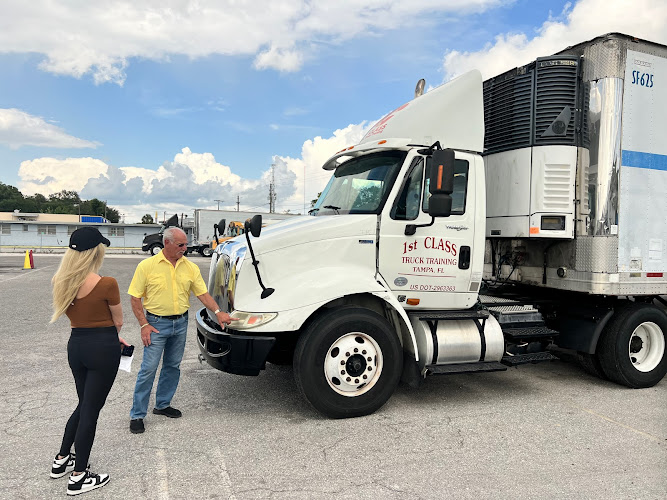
{"type": "Point", "coordinates": [155, 248]}
{"type": "Point", "coordinates": [632, 349]}
{"type": "Point", "coordinates": [348, 362]}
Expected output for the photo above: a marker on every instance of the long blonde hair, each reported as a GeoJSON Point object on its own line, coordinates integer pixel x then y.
{"type": "Point", "coordinates": [72, 272]}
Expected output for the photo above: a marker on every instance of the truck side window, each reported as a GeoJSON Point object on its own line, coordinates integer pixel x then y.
{"type": "Point", "coordinates": [460, 186]}
{"type": "Point", "coordinates": [406, 206]}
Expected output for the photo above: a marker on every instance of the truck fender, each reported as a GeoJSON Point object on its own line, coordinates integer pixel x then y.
{"type": "Point", "coordinates": [310, 284]}
{"type": "Point", "coordinates": [393, 302]}
{"type": "Point", "coordinates": [581, 334]}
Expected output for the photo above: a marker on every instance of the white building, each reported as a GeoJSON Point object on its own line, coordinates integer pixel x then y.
{"type": "Point", "coordinates": [50, 232]}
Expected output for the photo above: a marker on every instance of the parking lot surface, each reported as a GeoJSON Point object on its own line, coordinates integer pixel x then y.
{"type": "Point", "coordinates": [538, 431]}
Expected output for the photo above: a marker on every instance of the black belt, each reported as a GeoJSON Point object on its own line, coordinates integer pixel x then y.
{"type": "Point", "coordinates": [172, 317]}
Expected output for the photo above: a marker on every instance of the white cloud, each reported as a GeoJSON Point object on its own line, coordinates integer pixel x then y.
{"type": "Point", "coordinates": [18, 128]}
{"type": "Point", "coordinates": [645, 19]}
{"type": "Point", "coordinates": [310, 179]}
{"type": "Point", "coordinates": [191, 180]}
{"type": "Point", "coordinates": [80, 37]}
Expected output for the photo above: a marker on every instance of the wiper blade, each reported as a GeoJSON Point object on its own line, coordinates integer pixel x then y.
{"type": "Point", "coordinates": [332, 207]}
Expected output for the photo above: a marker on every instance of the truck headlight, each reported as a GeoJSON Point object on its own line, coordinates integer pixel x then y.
{"type": "Point", "coordinates": [247, 320]}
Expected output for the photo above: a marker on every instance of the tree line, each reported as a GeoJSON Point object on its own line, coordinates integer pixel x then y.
{"type": "Point", "coordinates": [64, 202]}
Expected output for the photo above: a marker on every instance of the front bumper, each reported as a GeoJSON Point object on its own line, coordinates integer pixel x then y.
{"type": "Point", "coordinates": [231, 351]}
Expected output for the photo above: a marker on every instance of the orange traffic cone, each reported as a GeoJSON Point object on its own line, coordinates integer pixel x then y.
{"type": "Point", "coordinates": [27, 262]}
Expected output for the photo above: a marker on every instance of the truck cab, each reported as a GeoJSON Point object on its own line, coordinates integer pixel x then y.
{"type": "Point", "coordinates": [372, 258]}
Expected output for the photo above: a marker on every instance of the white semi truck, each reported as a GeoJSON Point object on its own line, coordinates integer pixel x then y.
{"type": "Point", "coordinates": [470, 229]}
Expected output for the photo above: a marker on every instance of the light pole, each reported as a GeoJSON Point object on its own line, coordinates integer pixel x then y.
{"type": "Point", "coordinates": [219, 201]}
{"type": "Point", "coordinates": [78, 205]}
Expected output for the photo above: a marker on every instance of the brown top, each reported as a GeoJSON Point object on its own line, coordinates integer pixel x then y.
{"type": "Point", "coordinates": [92, 310]}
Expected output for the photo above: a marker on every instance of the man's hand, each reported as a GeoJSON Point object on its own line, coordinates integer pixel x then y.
{"type": "Point", "coordinates": [224, 318]}
{"type": "Point", "coordinates": [146, 334]}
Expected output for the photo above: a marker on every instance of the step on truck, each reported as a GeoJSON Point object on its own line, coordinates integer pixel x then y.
{"type": "Point", "coordinates": [479, 226]}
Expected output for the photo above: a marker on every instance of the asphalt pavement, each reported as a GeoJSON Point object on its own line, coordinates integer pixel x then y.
{"type": "Point", "coordinates": [539, 431]}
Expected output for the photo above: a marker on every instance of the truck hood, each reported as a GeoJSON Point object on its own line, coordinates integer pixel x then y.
{"type": "Point", "coordinates": [306, 229]}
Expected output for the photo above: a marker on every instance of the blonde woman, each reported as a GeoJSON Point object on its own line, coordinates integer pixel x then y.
{"type": "Point", "coordinates": [92, 304]}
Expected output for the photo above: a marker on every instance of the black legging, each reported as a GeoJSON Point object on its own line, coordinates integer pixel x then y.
{"type": "Point", "coordinates": [93, 354]}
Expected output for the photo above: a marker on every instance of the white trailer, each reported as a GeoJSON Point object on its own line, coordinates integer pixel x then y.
{"type": "Point", "coordinates": [471, 229]}
{"type": "Point", "coordinates": [199, 228]}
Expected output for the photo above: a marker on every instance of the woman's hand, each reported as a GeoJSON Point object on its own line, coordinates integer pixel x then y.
{"type": "Point", "coordinates": [122, 341]}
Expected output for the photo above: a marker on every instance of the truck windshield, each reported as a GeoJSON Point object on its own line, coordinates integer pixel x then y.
{"type": "Point", "coordinates": [360, 185]}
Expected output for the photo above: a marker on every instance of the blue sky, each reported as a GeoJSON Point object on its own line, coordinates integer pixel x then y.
{"type": "Point", "coordinates": [168, 106]}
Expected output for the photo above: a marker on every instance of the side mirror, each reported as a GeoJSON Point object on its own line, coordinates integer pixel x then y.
{"type": "Point", "coordinates": [222, 225]}
{"type": "Point", "coordinates": [254, 225]}
{"type": "Point", "coordinates": [441, 184]}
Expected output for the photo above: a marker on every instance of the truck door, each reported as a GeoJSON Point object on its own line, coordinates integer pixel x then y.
{"type": "Point", "coordinates": [434, 264]}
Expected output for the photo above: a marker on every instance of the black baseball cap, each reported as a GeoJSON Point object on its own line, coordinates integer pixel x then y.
{"type": "Point", "coordinates": [86, 238]}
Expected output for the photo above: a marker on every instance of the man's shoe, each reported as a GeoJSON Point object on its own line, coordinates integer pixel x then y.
{"type": "Point", "coordinates": [86, 482]}
{"type": "Point", "coordinates": [168, 412]}
{"type": "Point", "coordinates": [62, 466]}
{"type": "Point", "coordinates": [137, 425]}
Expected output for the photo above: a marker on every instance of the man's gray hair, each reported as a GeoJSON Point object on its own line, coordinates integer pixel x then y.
{"type": "Point", "coordinates": [170, 232]}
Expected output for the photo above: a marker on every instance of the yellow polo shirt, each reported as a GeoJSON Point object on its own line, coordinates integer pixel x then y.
{"type": "Point", "coordinates": [165, 288]}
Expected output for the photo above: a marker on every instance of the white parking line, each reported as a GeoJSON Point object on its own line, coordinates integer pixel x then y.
{"type": "Point", "coordinates": [22, 275]}
{"type": "Point", "coordinates": [225, 480]}
{"type": "Point", "coordinates": [162, 475]}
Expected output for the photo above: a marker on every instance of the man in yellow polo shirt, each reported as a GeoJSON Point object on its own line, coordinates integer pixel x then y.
{"type": "Point", "coordinates": [164, 282]}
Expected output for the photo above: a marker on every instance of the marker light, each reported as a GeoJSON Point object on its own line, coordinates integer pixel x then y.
{"type": "Point", "coordinates": [412, 302]}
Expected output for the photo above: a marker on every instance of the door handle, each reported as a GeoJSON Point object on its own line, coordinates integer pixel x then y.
{"type": "Point", "coordinates": [464, 257]}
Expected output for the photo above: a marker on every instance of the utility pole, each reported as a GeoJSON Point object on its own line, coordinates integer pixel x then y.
{"type": "Point", "coordinates": [272, 190]}
{"type": "Point", "coordinates": [238, 202]}
{"type": "Point", "coordinates": [219, 203]}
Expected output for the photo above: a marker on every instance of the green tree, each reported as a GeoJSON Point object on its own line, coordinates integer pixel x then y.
{"type": "Point", "coordinates": [113, 215]}
{"type": "Point", "coordinates": [147, 219]}
{"type": "Point", "coordinates": [10, 198]}
{"type": "Point", "coordinates": [63, 202]}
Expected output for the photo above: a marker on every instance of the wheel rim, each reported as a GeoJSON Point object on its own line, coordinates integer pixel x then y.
{"type": "Point", "coordinates": [646, 347]}
{"type": "Point", "coordinates": [353, 364]}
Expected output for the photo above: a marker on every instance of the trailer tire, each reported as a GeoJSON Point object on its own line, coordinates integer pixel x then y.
{"type": "Point", "coordinates": [357, 342]}
{"type": "Point", "coordinates": [591, 364]}
{"type": "Point", "coordinates": [632, 347]}
{"type": "Point", "coordinates": [155, 248]}
{"type": "Point", "coordinates": [206, 252]}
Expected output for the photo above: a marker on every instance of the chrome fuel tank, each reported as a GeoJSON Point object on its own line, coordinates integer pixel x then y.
{"type": "Point", "coordinates": [452, 341]}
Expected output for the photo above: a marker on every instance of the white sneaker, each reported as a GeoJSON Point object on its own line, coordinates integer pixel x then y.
{"type": "Point", "coordinates": [62, 466]}
{"type": "Point", "coordinates": [86, 482]}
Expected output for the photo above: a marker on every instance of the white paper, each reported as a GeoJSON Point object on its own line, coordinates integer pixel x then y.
{"type": "Point", "coordinates": [126, 363]}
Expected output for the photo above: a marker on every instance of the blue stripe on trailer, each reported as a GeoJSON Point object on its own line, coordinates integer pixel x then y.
{"type": "Point", "coordinates": [643, 160]}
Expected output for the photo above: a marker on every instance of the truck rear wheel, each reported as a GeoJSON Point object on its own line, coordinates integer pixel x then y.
{"type": "Point", "coordinates": [155, 248]}
{"type": "Point", "coordinates": [348, 362]}
{"type": "Point", "coordinates": [206, 251]}
{"type": "Point", "coordinates": [632, 349]}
